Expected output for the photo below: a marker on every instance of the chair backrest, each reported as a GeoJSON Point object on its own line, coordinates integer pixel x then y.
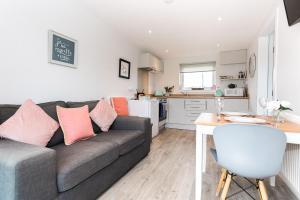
{"type": "Point", "coordinates": [251, 151]}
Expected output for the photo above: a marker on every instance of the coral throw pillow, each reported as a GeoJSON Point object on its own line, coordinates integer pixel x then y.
{"type": "Point", "coordinates": [75, 123]}
{"type": "Point", "coordinates": [120, 105]}
{"type": "Point", "coordinates": [103, 115]}
{"type": "Point", "coordinates": [30, 124]}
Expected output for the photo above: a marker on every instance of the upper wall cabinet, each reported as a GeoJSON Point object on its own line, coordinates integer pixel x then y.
{"type": "Point", "coordinates": [151, 63]}
{"type": "Point", "coordinates": [233, 57]}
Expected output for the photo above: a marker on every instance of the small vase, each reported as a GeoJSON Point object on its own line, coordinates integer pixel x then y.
{"type": "Point", "coordinates": [276, 117]}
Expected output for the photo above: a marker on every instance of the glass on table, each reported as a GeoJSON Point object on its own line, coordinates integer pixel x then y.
{"type": "Point", "coordinates": [219, 101]}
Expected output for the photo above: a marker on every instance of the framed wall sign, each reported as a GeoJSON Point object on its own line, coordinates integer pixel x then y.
{"type": "Point", "coordinates": [62, 49]}
{"type": "Point", "coordinates": [124, 68]}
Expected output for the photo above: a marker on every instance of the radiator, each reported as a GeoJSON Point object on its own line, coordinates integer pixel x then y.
{"type": "Point", "coordinates": [290, 172]}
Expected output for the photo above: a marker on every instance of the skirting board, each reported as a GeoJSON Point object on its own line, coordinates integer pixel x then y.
{"type": "Point", "coordinates": [181, 126]}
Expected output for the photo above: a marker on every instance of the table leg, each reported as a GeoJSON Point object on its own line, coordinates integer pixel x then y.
{"type": "Point", "coordinates": [199, 154]}
{"type": "Point", "coordinates": [204, 152]}
{"type": "Point", "coordinates": [273, 181]}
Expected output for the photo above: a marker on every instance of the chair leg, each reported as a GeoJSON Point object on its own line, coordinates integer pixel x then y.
{"type": "Point", "coordinates": [262, 190]}
{"type": "Point", "coordinates": [226, 187]}
{"type": "Point", "coordinates": [221, 181]}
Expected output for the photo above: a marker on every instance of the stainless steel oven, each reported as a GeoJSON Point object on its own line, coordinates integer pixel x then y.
{"type": "Point", "coordinates": [162, 109]}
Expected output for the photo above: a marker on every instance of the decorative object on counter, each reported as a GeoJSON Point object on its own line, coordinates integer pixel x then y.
{"type": "Point", "coordinates": [169, 90]}
{"type": "Point", "coordinates": [62, 49]}
{"type": "Point", "coordinates": [232, 85]}
{"type": "Point", "coordinates": [124, 68]}
{"type": "Point", "coordinates": [220, 105]}
{"type": "Point", "coordinates": [252, 65]}
{"type": "Point", "coordinates": [218, 92]}
{"type": "Point", "coordinates": [242, 75]}
{"type": "Point", "coordinates": [139, 94]}
{"type": "Point", "coordinates": [158, 93]}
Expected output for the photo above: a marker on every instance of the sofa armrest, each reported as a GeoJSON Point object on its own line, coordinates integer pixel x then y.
{"type": "Point", "coordinates": [27, 171]}
{"type": "Point", "coordinates": [134, 123]}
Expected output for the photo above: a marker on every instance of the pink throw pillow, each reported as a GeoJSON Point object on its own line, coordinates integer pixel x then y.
{"type": "Point", "coordinates": [103, 115]}
{"type": "Point", "coordinates": [75, 123]}
{"type": "Point", "coordinates": [30, 124]}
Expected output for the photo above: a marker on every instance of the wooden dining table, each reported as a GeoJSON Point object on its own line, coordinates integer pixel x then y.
{"type": "Point", "coordinates": [205, 125]}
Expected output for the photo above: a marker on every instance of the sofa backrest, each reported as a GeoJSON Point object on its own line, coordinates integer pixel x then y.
{"type": "Point", "coordinates": [7, 110]}
{"type": "Point", "coordinates": [91, 105]}
{"type": "Point", "coordinates": [50, 109]}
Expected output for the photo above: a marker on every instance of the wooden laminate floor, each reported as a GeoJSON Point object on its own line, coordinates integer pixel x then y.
{"type": "Point", "coordinates": [168, 173]}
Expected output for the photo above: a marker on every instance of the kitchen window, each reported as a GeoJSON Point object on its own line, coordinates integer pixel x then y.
{"type": "Point", "coordinates": [198, 76]}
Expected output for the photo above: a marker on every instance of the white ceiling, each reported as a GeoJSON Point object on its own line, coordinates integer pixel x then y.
{"type": "Point", "coordinates": [185, 27]}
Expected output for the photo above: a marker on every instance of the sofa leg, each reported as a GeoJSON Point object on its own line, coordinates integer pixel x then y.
{"type": "Point", "coordinates": [262, 190]}
{"type": "Point", "coordinates": [226, 187]}
{"type": "Point", "coordinates": [221, 181]}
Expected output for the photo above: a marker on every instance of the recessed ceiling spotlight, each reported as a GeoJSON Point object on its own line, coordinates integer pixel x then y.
{"type": "Point", "coordinates": [149, 32]}
{"type": "Point", "coordinates": [220, 19]}
{"type": "Point", "coordinates": [168, 1]}
{"type": "Point", "coordinates": [167, 50]}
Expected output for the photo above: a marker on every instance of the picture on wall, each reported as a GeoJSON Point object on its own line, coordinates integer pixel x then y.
{"type": "Point", "coordinates": [124, 69]}
{"type": "Point", "coordinates": [62, 49]}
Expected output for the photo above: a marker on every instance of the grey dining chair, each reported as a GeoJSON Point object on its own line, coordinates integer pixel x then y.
{"type": "Point", "coordinates": [250, 151]}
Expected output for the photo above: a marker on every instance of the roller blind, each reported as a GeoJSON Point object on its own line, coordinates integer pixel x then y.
{"type": "Point", "coordinates": [197, 67]}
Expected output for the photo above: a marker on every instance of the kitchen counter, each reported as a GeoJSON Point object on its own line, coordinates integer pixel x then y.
{"type": "Point", "coordinates": [194, 96]}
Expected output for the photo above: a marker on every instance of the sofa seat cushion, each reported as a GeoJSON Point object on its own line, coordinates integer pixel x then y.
{"type": "Point", "coordinates": [127, 140]}
{"type": "Point", "coordinates": [77, 162]}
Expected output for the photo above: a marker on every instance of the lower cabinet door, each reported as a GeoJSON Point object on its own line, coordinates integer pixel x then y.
{"type": "Point", "coordinates": [236, 105]}
{"type": "Point", "coordinates": [176, 112]}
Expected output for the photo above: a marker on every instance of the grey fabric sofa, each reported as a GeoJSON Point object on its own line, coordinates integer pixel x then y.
{"type": "Point", "coordinates": [81, 171]}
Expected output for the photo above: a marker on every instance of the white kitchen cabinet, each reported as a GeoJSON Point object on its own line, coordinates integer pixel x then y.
{"type": "Point", "coordinates": [151, 62]}
{"type": "Point", "coordinates": [182, 113]}
{"type": "Point", "coordinates": [176, 112]}
{"type": "Point", "coordinates": [233, 57]}
{"type": "Point", "coordinates": [211, 106]}
{"type": "Point", "coordinates": [236, 105]}
{"type": "Point", "coordinates": [185, 111]}
{"type": "Point", "coordinates": [146, 108]}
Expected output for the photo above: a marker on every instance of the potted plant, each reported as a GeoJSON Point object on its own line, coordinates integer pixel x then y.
{"type": "Point", "coordinates": [169, 90]}
{"type": "Point", "coordinates": [277, 107]}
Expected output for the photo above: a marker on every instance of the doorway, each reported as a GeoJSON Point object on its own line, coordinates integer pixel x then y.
{"type": "Point", "coordinates": [271, 57]}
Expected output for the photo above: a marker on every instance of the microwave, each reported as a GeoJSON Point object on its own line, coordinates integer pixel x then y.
{"type": "Point", "coordinates": [235, 92]}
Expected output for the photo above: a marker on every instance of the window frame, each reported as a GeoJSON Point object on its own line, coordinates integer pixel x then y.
{"type": "Point", "coordinates": [207, 64]}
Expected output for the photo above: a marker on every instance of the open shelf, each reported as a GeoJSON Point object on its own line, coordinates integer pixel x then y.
{"type": "Point", "coordinates": [229, 79]}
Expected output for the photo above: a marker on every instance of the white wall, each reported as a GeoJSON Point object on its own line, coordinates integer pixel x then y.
{"type": "Point", "coordinates": [24, 68]}
{"type": "Point", "coordinates": [170, 76]}
{"type": "Point", "coordinates": [287, 81]}
{"type": "Point", "coordinates": [257, 85]}
{"type": "Point", "coordinates": [287, 73]}
{"type": "Point", "coordinates": [288, 60]}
